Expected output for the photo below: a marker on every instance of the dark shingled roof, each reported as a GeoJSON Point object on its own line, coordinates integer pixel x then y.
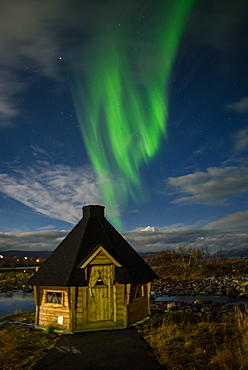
{"type": "Point", "coordinates": [62, 268]}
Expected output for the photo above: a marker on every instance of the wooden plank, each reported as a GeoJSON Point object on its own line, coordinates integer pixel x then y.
{"type": "Point", "coordinates": [119, 312]}
{"type": "Point", "coordinates": [72, 308]}
{"type": "Point", "coordinates": [101, 259]}
{"type": "Point", "coordinates": [103, 297]}
{"type": "Point", "coordinates": [100, 249]}
{"type": "Point", "coordinates": [85, 304]}
{"type": "Point", "coordinates": [120, 303]}
{"type": "Point", "coordinates": [128, 293]}
{"type": "Point", "coordinates": [36, 295]}
{"type": "Point", "coordinates": [138, 309]}
{"type": "Point", "coordinates": [36, 299]}
{"type": "Point", "coordinates": [110, 274]}
{"type": "Point", "coordinates": [53, 314]}
{"type": "Point", "coordinates": [115, 302]}
{"type": "Point", "coordinates": [99, 325]}
{"type": "Point", "coordinates": [138, 313]}
{"type": "Point", "coordinates": [119, 306]}
{"type": "Point", "coordinates": [126, 304]}
{"type": "Point", "coordinates": [109, 304]}
{"type": "Point", "coordinates": [138, 303]}
{"type": "Point", "coordinates": [148, 291]}
{"type": "Point", "coordinates": [48, 308]}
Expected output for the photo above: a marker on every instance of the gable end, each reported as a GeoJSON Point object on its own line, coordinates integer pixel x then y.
{"type": "Point", "coordinates": [100, 256]}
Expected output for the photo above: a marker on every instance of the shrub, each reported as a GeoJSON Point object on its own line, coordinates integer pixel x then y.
{"type": "Point", "coordinates": [50, 329]}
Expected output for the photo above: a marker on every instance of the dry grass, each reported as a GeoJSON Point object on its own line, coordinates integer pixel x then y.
{"type": "Point", "coordinates": [190, 265]}
{"type": "Point", "coordinates": [7, 347]}
{"type": "Point", "coordinates": [22, 345]}
{"type": "Point", "coordinates": [225, 359]}
{"type": "Point", "coordinates": [183, 342]}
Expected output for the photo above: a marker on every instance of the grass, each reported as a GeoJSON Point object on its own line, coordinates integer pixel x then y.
{"type": "Point", "coordinates": [182, 341]}
{"type": "Point", "coordinates": [22, 345]}
{"type": "Point", "coordinates": [191, 264]}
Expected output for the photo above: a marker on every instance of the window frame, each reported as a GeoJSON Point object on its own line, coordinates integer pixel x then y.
{"type": "Point", "coordinates": [137, 291]}
{"type": "Point", "coordinates": [52, 291]}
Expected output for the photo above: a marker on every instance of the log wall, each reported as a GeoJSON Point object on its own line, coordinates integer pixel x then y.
{"type": "Point", "coordinates": [81, 308]}
{"type": "Point", "coordinates": [139, 307]}
{"type": "Point", "coordinates": [50, 313]}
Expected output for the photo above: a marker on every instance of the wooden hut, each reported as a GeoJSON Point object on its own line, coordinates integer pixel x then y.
{"type": "Point", "coordinates": [93, 279]}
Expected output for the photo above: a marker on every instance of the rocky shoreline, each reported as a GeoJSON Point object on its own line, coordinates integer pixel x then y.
{"type": "Point", "coordinates": [14, 288]}
{"type": "Point", "coordinates": [230, 286]}
{"type": "Point", "coordinates": [199, 309]}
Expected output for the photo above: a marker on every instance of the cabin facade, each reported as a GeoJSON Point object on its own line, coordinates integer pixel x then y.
{"type": "Point", "coordinates": [93, 279]}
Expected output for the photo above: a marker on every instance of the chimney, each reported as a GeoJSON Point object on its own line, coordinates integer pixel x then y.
{"type": "Point", "coordinates": [93, 211]}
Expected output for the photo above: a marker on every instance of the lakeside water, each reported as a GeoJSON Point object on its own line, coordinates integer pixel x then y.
{"type": "Point", "coordinates": [26, 268]}
{"type": "Point", "coordinates": [18, 300]}
{"type": "Point", "coordinates": [12, 301]}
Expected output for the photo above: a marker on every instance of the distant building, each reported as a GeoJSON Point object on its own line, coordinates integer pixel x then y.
{"type": "Point", "coordinates": [93, 279]}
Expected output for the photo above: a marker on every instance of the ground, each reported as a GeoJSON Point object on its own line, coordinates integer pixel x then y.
{"type": "Point", "coordinates": [22, 345]}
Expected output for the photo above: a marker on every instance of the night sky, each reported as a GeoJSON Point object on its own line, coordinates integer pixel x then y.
{"type": "Point", "coordinates": [140, 106]}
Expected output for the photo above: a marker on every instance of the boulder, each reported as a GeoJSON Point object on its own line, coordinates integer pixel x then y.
{"type": "Point", "coordinates": [232, 292]}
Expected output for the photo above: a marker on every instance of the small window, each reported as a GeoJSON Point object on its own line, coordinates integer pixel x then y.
{"type": "Point", "coordinates": [54, 297]}
{"type": "Point", "coordinates": [137, 291]}
{"type": "Point", "coordinates": [99, 281]}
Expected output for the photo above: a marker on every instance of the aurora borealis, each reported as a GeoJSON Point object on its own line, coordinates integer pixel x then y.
{"type": "Point", "coordinates": [140, 106]}
{"type": "Point", "coordinates": [126, 112]}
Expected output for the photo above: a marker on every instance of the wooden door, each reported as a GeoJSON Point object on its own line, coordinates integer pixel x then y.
{"type": "Point", "coordinates": [100, 293]}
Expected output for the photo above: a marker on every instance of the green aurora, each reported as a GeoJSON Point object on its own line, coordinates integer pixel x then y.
{"type": "Point", "coordinates": [122, 100]}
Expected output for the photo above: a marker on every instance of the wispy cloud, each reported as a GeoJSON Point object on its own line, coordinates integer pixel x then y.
{"type": "Point", "coordinates": [226, 233]}
{"type": "Point", "coordinates": [234, 221]}
{"type": "Point", "coordinates": [47, 227]}
{"type": "Point", "coordinates": [57, 191]}
{"type": "Point", "coordinates": [241, 140]}
{"type": "Point", "coordinates": [27, 39]}
{"type": "Point", "coordinates": [163, 238]}
{"type": "Point", "coordinates": [36, 150]}
{"type": "Point", "coordinates": [239, 107]}
{"type": "Point", "coordinates": [33, 241]}
{"type": "Point", "coordinates": [212, 187]}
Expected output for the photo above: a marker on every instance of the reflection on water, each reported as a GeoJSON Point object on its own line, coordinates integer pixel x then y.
{"type": "Point", "coordinates": [19, 300]}
{"type": "Point", "coordinates": [213, 298]}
